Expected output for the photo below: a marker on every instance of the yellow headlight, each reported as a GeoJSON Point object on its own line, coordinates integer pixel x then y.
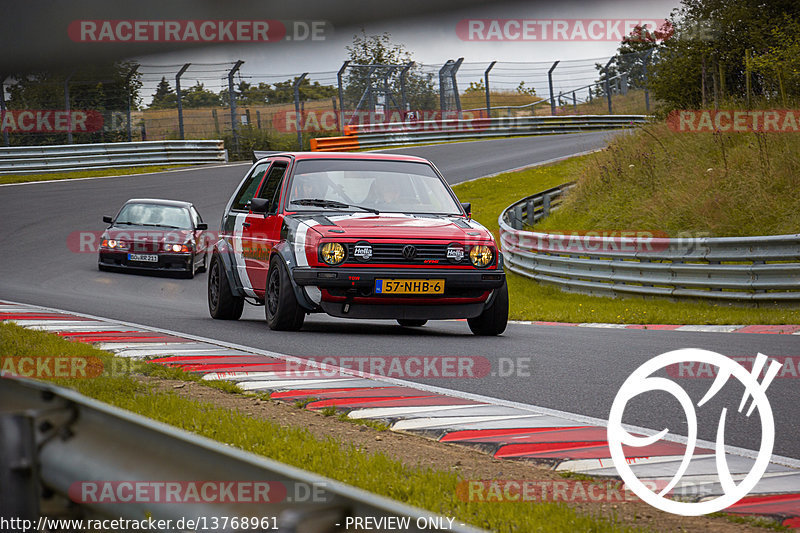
{"type": "Point", "coordinates": [332, 253]}
{"type": "Point", "coordinates": [481, 256]}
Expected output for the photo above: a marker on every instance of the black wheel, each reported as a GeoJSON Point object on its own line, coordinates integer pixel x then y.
{"type": "Point", "coordinates": [203, 266]}
{"type": "Point", "coordinates": [281, 307]}
{"type": "Point", "coordinates": [222, 304]}
{"type": "Point", "coordinates": [493, 319]}
{"type": "Point", "coordinates": [409, 323]}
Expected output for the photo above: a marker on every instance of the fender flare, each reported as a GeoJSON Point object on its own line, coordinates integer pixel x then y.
{"type": "Point", "coordinates": [286, 253]}
{"type": "Point", "coordinates": [222, 250]}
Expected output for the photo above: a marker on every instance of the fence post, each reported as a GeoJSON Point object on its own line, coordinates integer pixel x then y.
{"type": "Point", "coordinates": [646, 82]}
{"type": "Point", "coordinates": [216, 121]}
{"type": "Point", "coordinates": [403, 98]}
{"type": "Point", "coordinates": [128, 86]}
{"type": "Point", "coordinates": [624, 83]}
{"type": "Point", "coordinates": [232, 97]}
{"type": "Point", "coordinates": [442, 76]}
{"type": "Point", "coordinates": [3, 106]}
{"type": "Point", "coordinates": [608, 85]}
{"type": "Point", "coordinates": [296, 87]}
{"type": "Point", "coordinates": [486, 83]}
{"type": "Point", "coordinates": [545, 205]}
{"type": "Point", "coordinates": [453, 72]}
{"type": "Point", "coordinates": [550, 83]}
{"type": "Point", "coordinates": [341, 95]}
{"type": "Point", "coordinates": [66, 107]}
{"type": "Point", "coordinates": [180, 97]}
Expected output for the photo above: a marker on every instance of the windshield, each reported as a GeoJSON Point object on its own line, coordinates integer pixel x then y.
{"type": "Point", "coordinates": [154, 215]}
{"type": "Point", "coordinates": [386, 186]}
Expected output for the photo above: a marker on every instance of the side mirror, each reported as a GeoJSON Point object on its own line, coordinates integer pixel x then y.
{"type": "Point", "coordinates": [202, 226]}
{"type": "Point", "coordinates": [107, 219]}
{"type": "Point", "coordinates": [259, 205]}
{"type": "Point", "coordinates": [467, 207]}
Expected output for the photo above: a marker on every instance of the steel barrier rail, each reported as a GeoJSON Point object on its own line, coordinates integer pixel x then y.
{"type": "Point", "coordinates": [70, 157]}
{"type": "Point", "coordinates": [399, 133]}
{"type": "Point", "coordinates": [55, 438]}
{"type": "Point", "coordinates": [761, 268]}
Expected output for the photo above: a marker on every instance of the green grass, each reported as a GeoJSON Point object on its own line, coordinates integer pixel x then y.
{"type": "Point", "coordinates": [431, 489]}
{"type": "Point", "coordinates": [530, 300]}
{"type": "Point", "coordinates": [24, 178]}
{"type": "Point", "coordinates": [726, 185]}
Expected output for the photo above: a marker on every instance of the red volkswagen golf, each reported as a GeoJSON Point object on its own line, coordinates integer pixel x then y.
{"type": "Point", "coordinates": [367, 236]}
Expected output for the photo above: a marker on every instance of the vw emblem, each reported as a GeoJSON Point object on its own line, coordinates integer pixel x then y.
{"type": "Point", "coordinates": [409, 252]}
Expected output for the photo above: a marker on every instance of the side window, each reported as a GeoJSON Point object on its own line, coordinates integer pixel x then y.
{"type": "Point", "coordinates": [248, 189]}
{"type": "Point", "coordinates": [195, 216]}
{"type": "Point", "coordinates": [271, 187]}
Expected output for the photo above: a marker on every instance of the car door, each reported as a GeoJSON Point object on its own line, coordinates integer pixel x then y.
{"type": "Point", "coordinates": [261, 231]}
{"type": "Point", "coordinates": [237, 218]}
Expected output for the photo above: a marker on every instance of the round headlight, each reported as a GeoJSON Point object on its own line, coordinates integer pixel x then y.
{"type": "Point", "coordinates": [481, 256]}
{"type": "Point", "coordinates": [112, 243]}
{"type": "Point", "coordinates": [332, 253]}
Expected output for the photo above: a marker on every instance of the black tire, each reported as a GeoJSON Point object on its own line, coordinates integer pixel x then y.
{"type": "Point", "coordinates": [280, 305]}
{"type": "Point", "coordinates": [494, 319]}
{"type": "Point", "coordinates": [410, 323]}
{"type": "Point", "coordinates": [222, 304]}
{"type": "Point", "coordinates": [204, 265]}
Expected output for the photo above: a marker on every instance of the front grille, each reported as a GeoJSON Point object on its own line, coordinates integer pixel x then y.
{"type": "Point", "coordinates": [383, 253]}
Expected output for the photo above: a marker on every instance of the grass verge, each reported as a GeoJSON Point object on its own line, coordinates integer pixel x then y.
{"type": "Point", "coordinates": [533, 301]}
{"type": "Point", "coordinates": [427, 488]}
{"type": "Point", "coordinates": [24, 178]}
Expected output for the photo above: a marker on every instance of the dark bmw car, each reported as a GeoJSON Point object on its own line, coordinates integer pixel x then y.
{"type": "Point", "coordinates": [155, 235]}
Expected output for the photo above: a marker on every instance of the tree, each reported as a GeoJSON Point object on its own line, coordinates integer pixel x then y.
{"type": "Point", "coordinates": [164, 97]}
{"type": "Point", "coordinates": [99, 87]}
{"type": "Point", "coordinates": [636, 49]}
{"type": "Point", "coordinates": [376, 64]}
{"type": "Point", "coordinates": [198, 96]}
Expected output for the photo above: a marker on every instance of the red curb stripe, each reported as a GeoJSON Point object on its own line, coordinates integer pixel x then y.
{"type": "Point", "coordinates": [143, 340]}
{"type": "Point", "coordinates": [432, 401]}
{"type": "Point", "coordinates": [663, 327]}
{"type": "Point", "coordinates": [588, 434]}
{"type": "Point", "coordinates": [793, 523]}
{"type": "Point", "coordinates": [228, 367]}
{"type": "Point", "coordinates": [41, 316]}
{"type": "Point", "coordinates": [778, 504]}
{"type": "Point", "coordinates": [137, 334]}
{"type": "Point", "coordinates": [589, 450]}
{"type": "Point", "coordinates": [785, 329]}
{"type": "Point", "coordinates": [353, 393]}
{"type": "Point", "coordinates": [546, 323]}
{"type": "Point", "coordinates": [211, 359]}
{"type": "Point", "coordinates": [470, 434]}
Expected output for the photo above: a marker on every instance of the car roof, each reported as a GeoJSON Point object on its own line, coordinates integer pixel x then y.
{"type": "Point", "coordinates": [159, 201]}
{"type": "Point", "coordinates": [368, 156]}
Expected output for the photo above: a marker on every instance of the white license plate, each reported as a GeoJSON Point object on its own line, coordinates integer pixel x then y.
{"type": "Point", "coordinates": [143, 257]}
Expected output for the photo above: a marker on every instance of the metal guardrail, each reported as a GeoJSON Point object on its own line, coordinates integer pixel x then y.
{"type": "Point", "coordinates": [400, 133]}
{"type": "Point", "coordinates": [55, 438]}
{"type": "Point", "coordinates": [762, 268]}
{"type": "Point", "coordinates": [71, 157]}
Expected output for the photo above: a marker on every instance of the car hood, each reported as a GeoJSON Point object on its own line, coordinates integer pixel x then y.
{"type": "Point", "coordinates": [396, 226]}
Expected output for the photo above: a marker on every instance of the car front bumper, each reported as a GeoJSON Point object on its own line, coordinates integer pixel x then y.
{"type": "Point", "coordinates": [166, 262]}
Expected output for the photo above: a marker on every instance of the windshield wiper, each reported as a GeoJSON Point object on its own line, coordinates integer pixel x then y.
{"type": "Point", "coordinates": [333, 204]}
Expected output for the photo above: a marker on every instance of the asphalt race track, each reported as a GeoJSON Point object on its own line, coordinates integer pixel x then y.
{"type": "Point", "coordinates": [571, 369]}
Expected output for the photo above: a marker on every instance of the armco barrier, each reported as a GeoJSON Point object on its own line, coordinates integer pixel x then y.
{"type": "Point", "coordinates": [72, 157]}
{"type": "Point", "coordinates": [55, 438]}
{"type": "Point", "coordinates": [400, 133]}
{"type": "Point", "coordinates": [725, 268]}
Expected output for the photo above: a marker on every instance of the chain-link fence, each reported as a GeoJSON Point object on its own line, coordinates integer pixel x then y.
{"type": "Point", "coordinates": [256, 110]}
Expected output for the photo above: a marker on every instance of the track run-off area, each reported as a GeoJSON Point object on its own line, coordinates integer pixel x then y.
{"type": "Point", "coordinates": [577, 370]}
